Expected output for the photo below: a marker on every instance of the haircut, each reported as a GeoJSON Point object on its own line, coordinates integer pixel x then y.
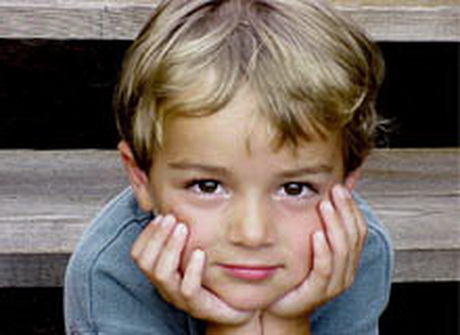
{"type": "Point", "coordinates": [312, 71]}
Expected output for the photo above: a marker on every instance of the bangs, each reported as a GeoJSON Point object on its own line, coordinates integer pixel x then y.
{"type": "Point", "coordinates": [311, 71]}
{"type": "Point", "coordinates": [303, 88]}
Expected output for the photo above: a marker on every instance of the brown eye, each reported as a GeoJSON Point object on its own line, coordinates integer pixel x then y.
{"type": "Point", "coordinates": [296, 190]}
{"type": "Point", "coordinates": [208, 186]}
{"type": "Point", "coordinates": [293, 189]}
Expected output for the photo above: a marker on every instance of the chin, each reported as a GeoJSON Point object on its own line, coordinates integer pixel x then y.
{"type": "Point", "coordinates": [248, 298]}
{"type": "Point", "coordinates": [248, 301]}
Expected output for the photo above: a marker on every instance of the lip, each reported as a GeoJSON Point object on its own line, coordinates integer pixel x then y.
{"type": "Point", "coordinates": [249, 272]}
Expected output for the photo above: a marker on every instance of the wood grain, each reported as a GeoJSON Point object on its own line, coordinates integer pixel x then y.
{"type": "Point", "coordinates": [385, 20]}
{"type": "Point", "coordinates": [49, 197]}
{"type": "Point", "coordinates": [416, 194]}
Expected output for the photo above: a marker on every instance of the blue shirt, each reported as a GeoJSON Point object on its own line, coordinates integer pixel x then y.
{"type": "Point", "coordinates": [106, 293]}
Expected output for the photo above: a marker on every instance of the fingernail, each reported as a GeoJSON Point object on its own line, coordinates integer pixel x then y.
{"type": "Point", "coordinates": [326, 206]}
{"type": "Point", "coordinates": [180, 230]}
{"type": "Point", "coordinates": [198, 255]}
{"type": "Point", "coordinates": [157, 219]}
{"type": "Point", "coordinates": [168, 221]}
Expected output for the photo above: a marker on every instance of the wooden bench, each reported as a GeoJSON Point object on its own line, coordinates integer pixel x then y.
{"type": "Point", "coordinates": [386, 20]}
{"type": "Point", "coordinates": [49, 197]}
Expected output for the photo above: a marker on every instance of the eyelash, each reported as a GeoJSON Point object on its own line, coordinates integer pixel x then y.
{"type": "Point", "coordinates": [307, 190]}
{"type": "Point", "coordinates": [197, 184]}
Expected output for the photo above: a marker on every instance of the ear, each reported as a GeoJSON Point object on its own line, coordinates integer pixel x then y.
{"type": "Point", "coordinates": [352, 178]}
{"type": "Point", "coordinates": [137, 177]}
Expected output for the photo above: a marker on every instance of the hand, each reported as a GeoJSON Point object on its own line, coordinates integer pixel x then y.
{"type": "Point", "coordinates": [336, 252]}
{"type": "Point", "coordinates": [157, 252]}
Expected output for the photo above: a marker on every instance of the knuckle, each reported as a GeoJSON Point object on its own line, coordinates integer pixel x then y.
{"type": "Point", "coordinates": [355, 241]}
{"type": "Point", "coordinates": [362, 226]}
{"type": "Point", "coordinates": [135, 255]}
{"type": "Point", "coordinates": [343, 252]}
{"type": "Point", "coordinates": [332, 291]}
{"type": "Point", "coordinates": [167, 297]}
{"type": "Point", "coordinates": [337, 291]}
{"type": "Point", "coordinates": [143, 264]}
{"type": "Point", "coordinates": [364, 230]}
{"type": "Point", "coordinates": [349, 281]}
{"type": "Point", "coordinates": [187, 292]}
{"type": "Point", "coordinates": [326, 270]}
{"type": "Point", "coordinates": [161, 277]}
{"type": "Point", "coordinates": [339, 287]}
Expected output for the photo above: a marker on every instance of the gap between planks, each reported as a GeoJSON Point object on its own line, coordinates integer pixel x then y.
{"type": "Point", "coordinates": [49, 197]}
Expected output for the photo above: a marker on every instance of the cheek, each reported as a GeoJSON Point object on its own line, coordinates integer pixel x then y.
{"type": "Point", "coordinates": [297, 234]}
{"type": "Point", "coordinates": [203, 223]}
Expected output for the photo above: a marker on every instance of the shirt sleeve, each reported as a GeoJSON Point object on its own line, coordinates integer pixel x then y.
{"type": "Point", "coordinates": [105, 292]}
{"type": "Point", "coordinates": [357, 310]}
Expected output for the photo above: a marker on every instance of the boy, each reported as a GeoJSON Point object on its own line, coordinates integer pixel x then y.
{"type": "Point", "coordinates": [244, 124]}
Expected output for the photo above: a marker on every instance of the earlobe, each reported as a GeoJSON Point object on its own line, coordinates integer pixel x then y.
{"type": "Point", "coordinates": [137, 177]}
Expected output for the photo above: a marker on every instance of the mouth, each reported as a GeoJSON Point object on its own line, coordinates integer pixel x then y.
{"type": "Point", "coordinates": [249, 272]}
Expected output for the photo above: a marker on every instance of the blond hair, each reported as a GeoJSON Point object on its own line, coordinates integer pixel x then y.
{"type": "Point", "coordinates": [311, 70]}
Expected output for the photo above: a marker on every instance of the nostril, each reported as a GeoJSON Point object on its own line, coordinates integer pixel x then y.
{"type": "Point", "coordinates": [251, 232]}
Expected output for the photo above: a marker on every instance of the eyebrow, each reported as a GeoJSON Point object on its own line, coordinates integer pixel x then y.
{"type": "Point", "coordinates": [307, 170]}
{"type": "Point", "coordinates": [198, 166]}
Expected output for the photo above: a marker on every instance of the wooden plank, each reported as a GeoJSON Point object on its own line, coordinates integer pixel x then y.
{"type": "Point", "coordinates": [49, 197]}
{"type": "Point", "coordinates": [416, 192]}
{"type": "Point", "coordinates": [386, 20]}
{"type": "Point", "coordinates": [382, 3]}
{"type": "Point", "coordinates": [409, 23]}
{"type": "Point", "coordinates": [32, 270]}
{"type": "Point", "coordinates": [427, 265]}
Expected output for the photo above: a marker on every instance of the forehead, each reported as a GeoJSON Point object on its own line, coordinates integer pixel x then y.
{"type": "Point", "coordinates": [240, 132]}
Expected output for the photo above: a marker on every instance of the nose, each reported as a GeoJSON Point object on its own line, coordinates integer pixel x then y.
{"type": "Point", "coordinates": [250, 224]}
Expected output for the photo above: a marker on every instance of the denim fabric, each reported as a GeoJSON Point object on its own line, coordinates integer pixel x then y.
{"type": "Point", "coordinates": [105, 292]}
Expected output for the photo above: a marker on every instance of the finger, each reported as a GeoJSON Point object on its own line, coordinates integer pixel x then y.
{"type": "Point", "coordinates": [166, 273]}
{"type": "Point", "coordinates": [322, 262]}
{"type": "Point", "coordinates": [144, 237]}
{"type": "Point", "coordinates": [313, 290]}
{"type": "Point", "coordinates": [191, 286]}
{"type": "Point", "coordinates": [362, 233]}
{"type": "Point", "coordinates": [322, 269]}
{"type": "Point", "coordinates": [147, 258]}
{"type": "Point", "coordinates": [202, 303]}
{"type": "Point", "coordinates": [361, 222]}
{"type": "Point", "coordinates": [344, 206]}
{"type": "Point", "coordinates": [192, 283]}
{"type": "Point", "coordinates": [339, 244]}
{"type": "Point", "coordinates": [355, 226]}
{"type": "Point", "coordinates": [193, 273]}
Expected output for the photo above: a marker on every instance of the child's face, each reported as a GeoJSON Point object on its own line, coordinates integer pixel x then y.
{"type": "Point", "coordinates": [252, 210]}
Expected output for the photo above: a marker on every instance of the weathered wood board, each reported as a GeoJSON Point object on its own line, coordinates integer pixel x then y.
{"type": "Point", "coordinates": [416, 193]}
{"type": "Point", "coordinates": [47, 198]}
{"type": "Point", "coordinates": [385, 20]}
